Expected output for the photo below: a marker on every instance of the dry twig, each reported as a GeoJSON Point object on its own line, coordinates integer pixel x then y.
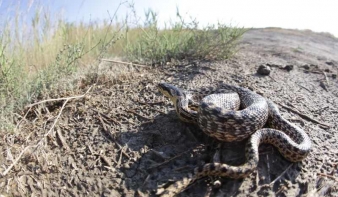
{"type": "Point", "coordinates": [276, 179]}
{"type": "Point", "coordinates": [150, 103]}
{"type": "Point", "coordinates": [105, 159]}
{"type": "Point", "coordinates": [305, 116]}
{"type": "Point", "coordinates": [103, 124]}
{"type": "Point", "coordinates": [119, 62]}
{"type": "Point", "coordinates": [326, 79]}
{"type": "Point", "coordinates": [16, 161]}
{"type": "Point", "coordinates": [327, 175]}
{"type": "Point", "coordinates": [60, 99]}
{"type": "Point", "coordinates": [62, 139]}
{"type": "Point", "coordinates": [49, 131]}
{"type": "Point", "coordinates": [322, 84]}
{"type": "Point", "coordinates": [23, 118]}
{"type": "Point", "coordinates": [123, 152]}
{"type": "Point", "coordinates": [304, 87]}
{"type": "Point", "coordinates": [55, 121]}
{"type": "Point", "coordinates": [170, 159]}
{"type": "Point", "coordinates": [273, 78]}
{"type": "Point", "coordinates": [107, 117]}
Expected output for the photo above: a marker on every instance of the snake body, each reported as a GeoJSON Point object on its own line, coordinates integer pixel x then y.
{"type": "Point", "coordinates": [229, 125]}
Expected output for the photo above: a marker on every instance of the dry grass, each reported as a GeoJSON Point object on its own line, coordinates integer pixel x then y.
{"type": "Point", "coordinates": [35, 54]}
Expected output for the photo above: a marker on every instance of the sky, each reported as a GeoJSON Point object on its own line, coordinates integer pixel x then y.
{"type": "Point", "coordinates": [316, 15]}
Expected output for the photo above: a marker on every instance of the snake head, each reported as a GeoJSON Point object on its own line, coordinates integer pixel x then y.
{"type": "Point", "coordinates": [170, 91]}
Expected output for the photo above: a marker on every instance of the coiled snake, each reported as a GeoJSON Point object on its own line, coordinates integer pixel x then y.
{"type": "Point", "coordinates": [217, 117]}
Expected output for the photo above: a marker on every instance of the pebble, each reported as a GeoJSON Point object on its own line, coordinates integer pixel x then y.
{"type": "Point", "coordinates": [329, 63]}
{"type": "Point", "coordinates": [288, 67]}
{"type": "Point", "coordinates": [264, 70]}
{"type": "Point", "coordinates": [217, 184]}
{"type": "Point", "coordinates": [306, 66]}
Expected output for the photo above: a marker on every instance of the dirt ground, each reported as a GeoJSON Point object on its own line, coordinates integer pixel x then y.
{"type": "Point", "coordinates": [123, 138]}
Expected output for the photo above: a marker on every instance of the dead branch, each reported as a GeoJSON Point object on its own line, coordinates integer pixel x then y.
{"type": "Point", "coordinates": [329, 176]}
{"type": "Point", "coordinates": [54, 123]}
{"type": "Point", "coordinates": [311, 71]}
{"type": "Point", "coordinates": [268, 166]}
{"type": "Point", "coordinates": [145, 181]}
{"type": "Point", "coordinates": [150, 103]}
{"type": "Point", "coordinates": [304, 87]}
{"type": "Point", "coordinates": [23, 118]}
{"type": "Point", "coordinates": [120, 158]}
{"type": "Point", "coordinates": [16, 160]}
{"type": "Point", "coordinates": [58, 116]}
{"type": "Point", "coordinates": [43, 137]}
{"type": "Point", "coordinates": [105, 159]}
{"type": "Point", "coordinates": [122, 149]}
{"type": "Point", "coordinates": [170, 159]}
{"type": "Point", "coordinates": [105, 129]}
{"type": "Point", "coordinates": [103, 124]}
{"type": "Point", "coordinates": [305, 116]}
{"type": "Point", "coordinates": [276, 179]}
{"type": "Point", "coordinates": [273, 78]}
{"type": "Point", "coordinates": [59, 99]}
{"type": "Point", "coordinates": [62, 139]}
{"type": "Point", "coordinates": [107, 117]}
{"type": "Point", "coordinates": [119, 62]}
{"type": "Point", "coordinates": [50, 130]}
{"type": "Point", "coordinates": [327, 80]}
{"type": "Point", "coordinates": [322, 84]}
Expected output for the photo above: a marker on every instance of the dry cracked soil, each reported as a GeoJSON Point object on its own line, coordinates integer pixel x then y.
{"type": "Point", "coordinates": [121, 137]}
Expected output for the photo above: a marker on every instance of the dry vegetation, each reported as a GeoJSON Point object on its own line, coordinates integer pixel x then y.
{"type": "Point", "coordinates": [35, 54]}
{"type": "Point", "coordinates": [74, 125]}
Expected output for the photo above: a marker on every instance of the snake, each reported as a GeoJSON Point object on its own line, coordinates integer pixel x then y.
{"type": "Point", "coordinates": [215, 118]}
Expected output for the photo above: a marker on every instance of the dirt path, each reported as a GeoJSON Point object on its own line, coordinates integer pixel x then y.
{"type": "Point", "coordinates": [123, 136]}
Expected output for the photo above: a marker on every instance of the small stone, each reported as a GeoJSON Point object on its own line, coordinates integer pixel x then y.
{"type": "Point", "coordinates": [288, 67]}
{"type": "Point", "coordinates": [327, 70]}
{"type": "Point", "coordinates": [329, 63]}
{"type": "Point", "coordinates": [306, 66]}
{"type": "Point", "coordinates": [217, 184]}
{"type": "Point", "coordinates": [334, 76]}
{"type": "Point", "coordinates": [264, 70]}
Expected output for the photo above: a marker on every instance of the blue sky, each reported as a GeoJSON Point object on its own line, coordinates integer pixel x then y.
{"type": "Point", "coordinates": [317, 15]}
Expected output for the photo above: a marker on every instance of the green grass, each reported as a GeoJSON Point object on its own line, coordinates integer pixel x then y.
{"type": "Point", "coordinates": [33, 60]}
{"type": "Point", "coordinates": [180, 40]}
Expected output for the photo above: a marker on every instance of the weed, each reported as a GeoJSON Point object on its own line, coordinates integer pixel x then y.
{"type": "Point", "coordinates": [35, 56]}
{"type": "Point", "coordinates": [31, 66]}
{"type": "Point", "coordinates": [180, 40]}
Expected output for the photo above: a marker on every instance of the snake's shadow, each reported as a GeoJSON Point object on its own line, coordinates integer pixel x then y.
{"type": "Point", "coordinates": [170, 149]}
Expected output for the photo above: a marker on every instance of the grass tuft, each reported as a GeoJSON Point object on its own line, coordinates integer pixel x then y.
{"type": "Point", "coordinates": [180, 40]}
{"type": "Point", "coordinates": [36, 54]}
